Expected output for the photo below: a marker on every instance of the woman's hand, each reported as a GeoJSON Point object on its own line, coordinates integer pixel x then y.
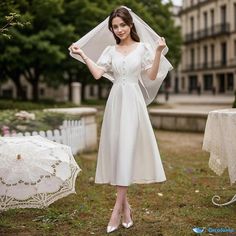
{"type": "Point", "coordinates": [153, 71]}
{"type": "Point", "coordinates": [76, 50]}
{"type": "Point", "coordinates": [95, 70]}
{"type": "Point", "coordinates": [161, 44]}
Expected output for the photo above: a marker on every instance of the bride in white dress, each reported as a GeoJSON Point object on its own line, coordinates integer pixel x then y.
{"type": "Point", "coordinates": [128, 151]}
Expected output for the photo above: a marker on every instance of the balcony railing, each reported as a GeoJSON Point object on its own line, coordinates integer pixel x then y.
{"type": "Point", "coordinates": [195, 5]}
{"type": "Point", "coordinates": [213, 31]}
{"type": "Point", "coordinates": [211, 65]}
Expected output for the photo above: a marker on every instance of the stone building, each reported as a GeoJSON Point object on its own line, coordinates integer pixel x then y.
{"type": "Point", "coordinates": [60, 94]}
{"type": "Point", "coordinates": [208, 62]}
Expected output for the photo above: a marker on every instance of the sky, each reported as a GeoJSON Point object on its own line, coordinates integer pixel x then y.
{"type": "Point", "coordinates": [175, 2]}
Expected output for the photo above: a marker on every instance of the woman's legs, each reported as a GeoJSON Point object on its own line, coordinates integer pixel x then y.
{"type": "Point", "coordinates": [119, 205]}
{"type": "Point", "coordinates": [126, 211]}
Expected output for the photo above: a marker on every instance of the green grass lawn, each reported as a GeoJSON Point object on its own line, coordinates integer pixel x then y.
{"type": "Point", "coordinates": [171, 208]}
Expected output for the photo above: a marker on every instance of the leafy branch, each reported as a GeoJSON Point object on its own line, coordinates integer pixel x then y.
{"type": "Point", "coordinates": [11, 20]}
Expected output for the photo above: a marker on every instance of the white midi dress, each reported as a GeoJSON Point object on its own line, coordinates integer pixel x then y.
{"type": "Point", "coordinates": [128, 152]}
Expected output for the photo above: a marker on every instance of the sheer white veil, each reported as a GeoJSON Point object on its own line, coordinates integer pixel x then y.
{"type": "Point", "coordinates": [95, 41]}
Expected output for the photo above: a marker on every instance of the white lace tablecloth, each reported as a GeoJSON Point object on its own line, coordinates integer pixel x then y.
{"type": "Point", "coordinates": [220, 141]}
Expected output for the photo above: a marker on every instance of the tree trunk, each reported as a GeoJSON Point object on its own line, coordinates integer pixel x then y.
{"type": "Point", "coordinates": [100, 91]}
{"type": "Point", "coordinates": [33, 79]}
{"type": "Point", "coordinates": [70, 86]}
{"type": "Point", "coordinates": [35, 85]}
{"type": "Point", "coordinates": [20, 93]}
{"type": "Point", "coordinates": [35, 93]}
{"type": "Point", "coordinates": [83, 84]}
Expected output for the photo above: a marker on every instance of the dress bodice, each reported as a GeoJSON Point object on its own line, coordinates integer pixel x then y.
{"type": "Point", "coordinates": [126, 68]}
{"type": "Point", "coordinates": [132, 68]}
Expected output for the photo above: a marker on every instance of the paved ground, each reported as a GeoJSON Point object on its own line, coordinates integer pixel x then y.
{"type": "Point", "coordinates": [196, 99]}
{"type": "Point", "coordinates": [196, 102]}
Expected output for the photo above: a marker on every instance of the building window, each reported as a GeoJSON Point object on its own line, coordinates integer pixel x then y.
{"type": "Point", "coordinates": [212, 17]}
{"type": "Point", "coordinates": [223, 14]}
{"type": "Point", "coordinates": [230, 81]}
{"type": "Point", "coordinates": [212, 20]}
{"type": "Point", "coordinates": [192, 58]}
{"type": "Point", "coordinates": [205, 53]}
{"type": "Point", "coordinates": [91, 90]}
{"type": "Point", "coordinates": [42, 91]}
{"type": "Point", "coordinates": [205, 20]}
{"type": "Point", "coordinates": [235, 48]}
{"type": "Point", "coordinates": [7, 93]}
{"type": "Point", "coordinates": [198, 55]}
{"type": "Point", "coordinates": [176, 84]}
{"type": "Point", "coordinates": [223, 53]}
{"type": "Point", "coordinates": [191, 24]}
{"type": "Point", "coordinates": [208, 82]}
{"type": "Point", "coordinates": [192, 83]}
{"type": "Point", "coordinates": [212, 54]}
{"type": "Point", "coordinates": [221, 82]}
{"type": "Point", "coordinates": [183, 83]}
{"type": "Point", "coordinates": [234, 16]}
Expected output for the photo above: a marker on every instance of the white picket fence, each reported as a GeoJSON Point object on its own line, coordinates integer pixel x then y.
{"type": "Point", "coordinates": [71, 133]}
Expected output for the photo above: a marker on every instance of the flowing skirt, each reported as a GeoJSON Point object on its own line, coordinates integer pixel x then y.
{"type": "Point", "coordinates": [128, 152]}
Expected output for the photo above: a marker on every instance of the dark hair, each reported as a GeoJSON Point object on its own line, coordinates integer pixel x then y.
{"type": "Point", "coordinates": [124, 14]}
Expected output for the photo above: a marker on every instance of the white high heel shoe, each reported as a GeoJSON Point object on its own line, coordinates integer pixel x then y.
{"type": "Point", "coordinates": [130, 223]}
{"type": "Point", "coordinates": [111, 228]}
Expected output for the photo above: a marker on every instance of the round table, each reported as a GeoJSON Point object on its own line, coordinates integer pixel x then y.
{"type": "Point", "coordinates": [220, 141]}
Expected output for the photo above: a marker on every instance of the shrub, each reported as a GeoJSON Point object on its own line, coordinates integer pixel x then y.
{"type": "Point", "coordinates": [11, 122]}
{"type": "Point", "coordinates": [28, 105]}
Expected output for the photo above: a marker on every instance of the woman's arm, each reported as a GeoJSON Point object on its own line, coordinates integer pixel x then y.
{"type": "Point", "coordinates": [152, 72]}
{"type": "Point", "coordinates": [96, 71]}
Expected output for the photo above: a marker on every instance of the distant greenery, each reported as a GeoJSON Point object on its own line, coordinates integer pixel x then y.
{"type": "Point", "coordinates": [39, 51]}
{"type": "Point", "coordinates": [11, 20]}
{"type": "Point", "coordinates": [42, 121]}
{"type": "Point", "coordinates": [28, 105]}
{"type": "Point", "coordinates": [95, 102]}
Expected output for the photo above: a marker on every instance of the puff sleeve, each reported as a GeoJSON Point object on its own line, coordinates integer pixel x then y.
{"type": "Point", "coordinates": [149, 87]}
{"type": "Point", "coordinates": [147, 58]}
{"type": "Point", "coordinates": [104, 61]}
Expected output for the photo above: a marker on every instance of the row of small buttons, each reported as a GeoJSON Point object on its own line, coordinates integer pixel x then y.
{"type": "Point", "coordinates": [123, 72]}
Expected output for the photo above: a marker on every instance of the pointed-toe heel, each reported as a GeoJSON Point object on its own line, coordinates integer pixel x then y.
{"type": "Point", "coordinates": [129, 224]}
{"type": "Point", "coordinates": [111, 229]}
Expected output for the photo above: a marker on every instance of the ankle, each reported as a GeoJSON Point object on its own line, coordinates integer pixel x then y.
{"type": "Point", "coordinates": [126, 206]}
{"type": "Point", "coordinates": [118, 208]}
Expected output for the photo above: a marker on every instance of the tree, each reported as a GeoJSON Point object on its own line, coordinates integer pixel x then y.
{"type": "Point", "coordinates": [154, 12]}
{"type": "Point", "coordinates": [38, 45]}
{"type": "Point", "coordinates": [84, 15]}
{"type": "Point", "coordinates": [77, 13]}
{"type": "Point", "coordinates": [10, 17]}
{"type": "Point", "coordinates": [9, 60]}
{"type": "Point", "coordinates": [39, 51]}
{"type": "Point", "coordinates": [162, 22]}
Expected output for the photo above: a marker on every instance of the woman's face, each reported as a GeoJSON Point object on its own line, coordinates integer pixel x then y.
{"type": "Point", "coordinates": [120, 28]}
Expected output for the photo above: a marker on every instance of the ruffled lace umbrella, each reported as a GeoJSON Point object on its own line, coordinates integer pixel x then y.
{"type": "Point", "coordinates": [35, 172]}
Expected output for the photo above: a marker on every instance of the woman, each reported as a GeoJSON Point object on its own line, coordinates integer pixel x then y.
{"type": "Point", "coordinates": [128, 152]}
